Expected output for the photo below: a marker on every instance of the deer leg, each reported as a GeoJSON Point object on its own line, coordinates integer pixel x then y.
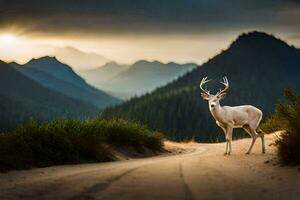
{"type": "Point", "coordinates": [248, 130]}
{"type": "Point", "coordinates": [225, 132]}
{"type": "Point", "coordinates": [229, 133]}
{"type": "Point", "coordinates": [262, 136]}
{"type": "Point", "coordinates": [254, 136]}
{"type": "Point", "coordinates": [226, 148]}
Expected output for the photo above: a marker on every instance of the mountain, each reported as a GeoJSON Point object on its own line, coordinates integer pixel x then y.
{"type": "Point", "coordinates": [139, 78]}
{"type": "Point", "coordinates": [258, 66]}
{"type": "Point", "coordinates": [51, 73]}
{"type": "Point", "coordinates": [103, 74]}
{"type": "Point", "coordinates": [52, 66]}
{"type": "Point", "coordinates": [78, 59]}
{"type": "Point", "coordinates": [22, 98]}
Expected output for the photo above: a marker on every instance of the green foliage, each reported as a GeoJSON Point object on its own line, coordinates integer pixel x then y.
{"type": "Point", "coordinates": [287, 118]}
{"type": "Point", "coordinates": [72, 141]}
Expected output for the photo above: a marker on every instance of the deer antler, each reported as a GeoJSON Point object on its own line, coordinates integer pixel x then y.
{"type": "Point", "coordinates": [203, 81]}
{"type": "Point", "coordinates": [225, 82]}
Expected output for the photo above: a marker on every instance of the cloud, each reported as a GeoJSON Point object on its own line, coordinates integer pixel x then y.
{"type": "Point", "coordinates": [128, 30]}
{"type": "Point", "coordinates": [104, 17]}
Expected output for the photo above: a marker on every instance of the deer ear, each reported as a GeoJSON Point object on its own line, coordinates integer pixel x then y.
{"type": "Point", "coordinates": [205, 96]}
{"type": "Point", "coordinates": [221, 96]}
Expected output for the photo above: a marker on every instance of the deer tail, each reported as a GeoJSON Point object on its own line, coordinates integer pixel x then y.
{"type": "Point", "coordinates": [260, 131]}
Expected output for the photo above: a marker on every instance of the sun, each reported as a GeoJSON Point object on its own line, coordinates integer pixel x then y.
{"type": "Point", "coordinates": [7, 38]}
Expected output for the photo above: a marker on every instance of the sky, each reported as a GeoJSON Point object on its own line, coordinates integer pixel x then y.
{"type": "Point", "coordinates": [129, 30]}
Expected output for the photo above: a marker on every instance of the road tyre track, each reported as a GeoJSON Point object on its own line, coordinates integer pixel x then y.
{"type": "Point", "coordinates": [98, 187]}
{"type": "Point", "coordinates": [187, 190]}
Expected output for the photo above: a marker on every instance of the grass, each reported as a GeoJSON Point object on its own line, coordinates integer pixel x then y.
{"type": "Point", "coordinates": [286, 117]}
{"type": "Point", "coordinates": [36, 144]}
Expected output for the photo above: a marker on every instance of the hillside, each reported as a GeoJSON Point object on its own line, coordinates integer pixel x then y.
{"type": "Point", "coordinates": [22, 98]}
{"type": "Point", "coordinates": [258, 66]}
{"type": "Point", "coordinates": [51, 73]}
{"type": "Point", "coordinates": [136, 79]}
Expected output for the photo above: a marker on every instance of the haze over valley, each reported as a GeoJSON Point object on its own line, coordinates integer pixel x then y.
{"type": "Point", "coordinates": [126, 81]}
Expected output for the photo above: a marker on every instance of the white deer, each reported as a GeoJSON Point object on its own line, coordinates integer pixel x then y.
{"type": "Point", "coordinates": [227, 118]}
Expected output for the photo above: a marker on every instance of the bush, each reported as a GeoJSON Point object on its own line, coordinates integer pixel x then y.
{"type": "Point", "coordinates": [287, 118]}
{"type": "Point", "coordinates": [72, 141]}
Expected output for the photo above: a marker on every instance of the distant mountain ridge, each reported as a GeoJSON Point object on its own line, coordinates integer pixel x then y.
{"type": "Point", "coordinates": [53, 74]}
{"type": "Point", "coordinates": [78, 59]}
{"type": "Point", "coordinates": [104, 73]}
{"type": "Point", "coordinates": [22, 98]}
{"type": "Point", "coordinates": [258, 66]}
{"type": "Point", "coordinates": [143, 76]}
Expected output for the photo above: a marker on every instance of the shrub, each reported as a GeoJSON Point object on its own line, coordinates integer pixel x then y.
{"type": "Point", "coordinates": [287, 118]}
{"type": "Point", "coordinates": [71, 141]}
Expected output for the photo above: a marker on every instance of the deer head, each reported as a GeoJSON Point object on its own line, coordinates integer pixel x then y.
{"type": "Point", "coordinates": [213, 99]}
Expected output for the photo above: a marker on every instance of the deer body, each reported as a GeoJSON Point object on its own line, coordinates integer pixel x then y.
{"type": "Point", "coordinates": [238, 116]}
{"type": "Point", "coordinates": [227, 118]}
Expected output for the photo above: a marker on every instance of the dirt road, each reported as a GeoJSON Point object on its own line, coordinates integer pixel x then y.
{"type": "Point", "coordinates": [202, 173]}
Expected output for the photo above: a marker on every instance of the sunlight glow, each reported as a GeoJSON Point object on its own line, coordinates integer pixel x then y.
{"type": "Point", "coordinates": [7, 38]}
